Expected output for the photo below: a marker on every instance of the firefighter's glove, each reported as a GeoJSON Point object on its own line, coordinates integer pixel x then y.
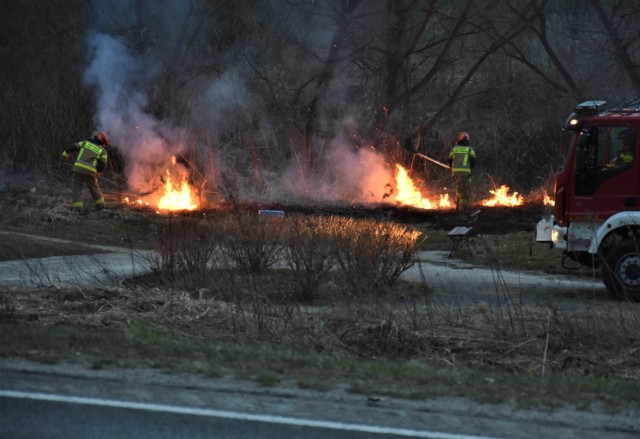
{"type": "Point", "coordinates": [65, 155]}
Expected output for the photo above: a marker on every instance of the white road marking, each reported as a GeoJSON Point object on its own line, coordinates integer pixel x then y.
{"type": "Point", "coordinates": [301, 422]}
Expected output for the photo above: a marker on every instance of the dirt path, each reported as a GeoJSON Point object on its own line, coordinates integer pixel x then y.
{"type": "Point", "coordinates": [453, 281]}
{"type": "Point", "coordinates": [450, 280]}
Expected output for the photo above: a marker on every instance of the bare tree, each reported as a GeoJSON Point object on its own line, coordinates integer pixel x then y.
{"type": "Point", "coordinates": [391, 66]}
{"type": "Point", "coordinates": [322, 81]}
{"type": "Point", "coordinates": [44, 105]}
{"type": "Point", "coordinates": [399, 47]}
{"type": "Point", "coordinates": [619, 23]}
{"type": "Point", "coordinates": [423, 44]}
{"type": "Point", "coordinates": [539, 27]}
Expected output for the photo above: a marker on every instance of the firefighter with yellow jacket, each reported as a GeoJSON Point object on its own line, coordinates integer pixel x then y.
{"type": "Point", "coordinates": [462, 160]}
{"type": "Point", "coordinates": [90, 162]}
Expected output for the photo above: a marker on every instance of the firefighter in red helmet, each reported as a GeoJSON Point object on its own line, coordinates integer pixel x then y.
{"type": "Point", "coordinates": [90, 162]}
{"type": "Point", "coordinates": [462, 160]}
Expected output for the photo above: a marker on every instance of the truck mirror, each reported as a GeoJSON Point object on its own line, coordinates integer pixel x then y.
{"type": "Point", "coordinates": [581, 154]}
{"type": "Point", "coordinates": [584, 139]}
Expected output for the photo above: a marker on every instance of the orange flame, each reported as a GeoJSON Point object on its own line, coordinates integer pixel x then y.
{"type": "Point", "coordinates": [409, 195]}
{"type": "Point", "coordinates": [177, 199]}
{"type": "Point", "coordinates": [547, 200]}
{"type": "Point", "coordinates": [501, 198]}
{"type": "Point", "coordinates": [170, 197]}
{"type": "Point", "coordinates": [137, 202]}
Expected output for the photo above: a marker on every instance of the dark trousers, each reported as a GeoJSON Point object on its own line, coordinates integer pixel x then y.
{"type": "Point", "coordinates": [77, 183]}
{"type": "Point", "coordinates": [463, 191]}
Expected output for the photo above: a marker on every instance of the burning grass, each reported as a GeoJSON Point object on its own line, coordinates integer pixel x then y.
{"type": "Point", "coordinates": [407, 193]}
{"type": "Point", "coordinates": [176, 193]}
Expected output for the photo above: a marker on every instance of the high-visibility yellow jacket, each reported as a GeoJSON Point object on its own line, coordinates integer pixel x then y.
{"type": "Point", "coordinates": [462, 159]}
{"type": "Point", "coordinates": [625, 158]}
{"type": "Point", "coordinates": [91, 159]}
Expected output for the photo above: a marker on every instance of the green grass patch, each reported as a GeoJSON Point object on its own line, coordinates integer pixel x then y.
{"type": "Point", "coordinates": [136, 232]}
{"type": "Point", "coordinates": [20, 247]}
{"type": "Point", "coordinates": [516, 250]}
{"type": "Point", "coordinates": [269, 364]}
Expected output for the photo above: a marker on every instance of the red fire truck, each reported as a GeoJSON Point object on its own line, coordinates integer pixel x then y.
{"type": "Point", "coordinates": [596, 219]}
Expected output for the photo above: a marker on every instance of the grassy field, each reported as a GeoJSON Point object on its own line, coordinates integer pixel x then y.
{"type": "Point", "coordinates": [269, 363]}
{"type": "Point", "coordinates": [255, 323]}
{"type": "Point", "coordinates": [514, 250]}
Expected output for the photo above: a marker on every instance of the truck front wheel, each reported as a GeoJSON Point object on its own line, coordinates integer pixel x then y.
{"type": "Point", "coordinates": [621, 272]}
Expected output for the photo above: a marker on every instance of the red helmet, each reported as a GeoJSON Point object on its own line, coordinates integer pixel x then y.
{"type": "Point", "coordinates": [462, 136]}
{"type": "Point", "coordinates": [101, 138]}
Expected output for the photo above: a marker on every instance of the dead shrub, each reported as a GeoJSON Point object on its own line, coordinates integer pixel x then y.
{"type": "Point", "coordinates": [372, 254]}
{"type": "Point", "coordinates": [186, 245]}
{"type": "Point", "coordinates": [361, 256]}
{"type": "Point", "coordinates": [308, 252]}
{"type": "Point", "coordinates": [250, 243]}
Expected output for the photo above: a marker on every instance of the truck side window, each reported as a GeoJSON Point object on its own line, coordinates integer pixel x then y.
{"type": "Point", "coordinates": [623, 141]}
{"type": "Point", "coordinates": [604, 153]}
{"type": "Point", "coordinates": [607, 147]}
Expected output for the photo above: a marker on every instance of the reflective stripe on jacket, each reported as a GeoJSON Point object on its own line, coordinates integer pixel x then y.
{"type": "Point", "coordinates": [625, 158]}
{"type": "Point", "coordinates": [460, 158]}
{"type": "Point", "coordinates": [89, 154]}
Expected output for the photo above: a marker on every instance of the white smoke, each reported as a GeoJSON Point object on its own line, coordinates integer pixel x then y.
{"type": "Point", "coordinates": [118, 77]}
{"type": "Point", "coordinates": [227, 99]}
{"type": "Point", "coordinates": [361, 175]}
{"type": "Point", "coordinates": [350, 174]}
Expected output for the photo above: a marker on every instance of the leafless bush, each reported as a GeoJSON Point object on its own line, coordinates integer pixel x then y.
{"type": "Point", "coordinates": [250, 243]}
{"type": "Point", "coordinates": [308, 252]}
{"type": "Point", "coordinates": [360, 256]}
{"type": "Point", "coordinates": [186, 245]}
{"type": "Point", "coordinates": [373, 254]}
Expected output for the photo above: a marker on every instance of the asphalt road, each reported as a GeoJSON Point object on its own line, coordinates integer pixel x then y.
{"type": "Point", "coordinates": [37, 415]}
{"type": "Point", "coordinates": [69, 401]}
{"type": "Point", "coordinates": [454, 282]}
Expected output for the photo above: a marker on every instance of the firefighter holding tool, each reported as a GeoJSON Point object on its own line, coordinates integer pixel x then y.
{"type": "Point", "coordinates": [462, 160]}
{"type": "Point", "coordinates": [90, 162]}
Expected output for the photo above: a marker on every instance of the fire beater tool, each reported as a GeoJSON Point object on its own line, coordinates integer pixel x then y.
{"type": "Point", "coordinates": [408, 145]}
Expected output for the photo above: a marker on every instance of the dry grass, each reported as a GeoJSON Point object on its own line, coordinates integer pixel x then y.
{"type": "Point", "coordinates": [363, 257]}
{"type": "Point", "coordinates": [372, 254]}
{"type": "Point", "coordinates": [587, 342]}
{"type": "Point", "coordinates": [326, 285]}
{"type": "Point", "coordinates": [309, 259]}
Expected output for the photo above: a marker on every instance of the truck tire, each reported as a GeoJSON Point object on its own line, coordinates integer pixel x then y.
{"type": "Point", "coordinates": [621, 272]}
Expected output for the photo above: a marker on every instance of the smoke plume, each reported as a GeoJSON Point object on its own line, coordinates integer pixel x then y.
{"type": "Point", "coordinates": [120, 78]}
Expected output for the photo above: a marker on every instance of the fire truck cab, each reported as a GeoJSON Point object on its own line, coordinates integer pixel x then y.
{"type": "Point", "coordinates": [596, 219]}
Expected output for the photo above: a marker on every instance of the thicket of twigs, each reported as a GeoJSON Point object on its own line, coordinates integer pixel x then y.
{"type": "Point", "coordinates": [361, 257]}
